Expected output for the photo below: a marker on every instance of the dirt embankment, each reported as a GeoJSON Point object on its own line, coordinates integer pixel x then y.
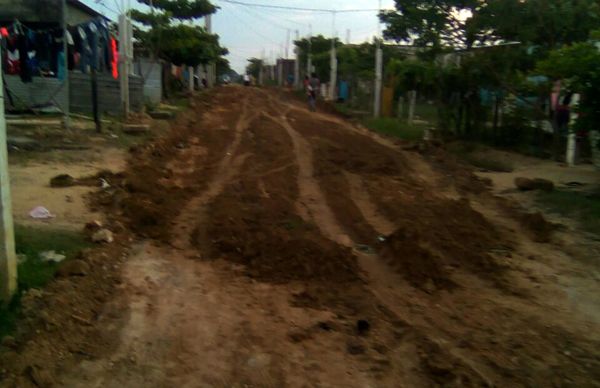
{"type": "Point", "coordinates": [254, 222]}
{"type": "Point", "coordinates": [262, 217]}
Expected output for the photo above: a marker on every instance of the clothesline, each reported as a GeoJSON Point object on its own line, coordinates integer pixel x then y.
{"type": "Point", "coordinates": [17, 27]}
{"type": "Point", "coordinates": [90, 45]}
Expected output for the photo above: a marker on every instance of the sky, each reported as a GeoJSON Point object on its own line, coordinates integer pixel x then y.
{"type": "Point", "coordinates": [260, 32]}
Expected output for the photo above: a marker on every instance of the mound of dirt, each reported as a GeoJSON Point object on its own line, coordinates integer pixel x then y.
{"type": "Point", "coordinates": [281, 252]}
{"type": "Point", "coordinates": [446, 236]}
{"type": "Point", "coordinates": [254, 222]}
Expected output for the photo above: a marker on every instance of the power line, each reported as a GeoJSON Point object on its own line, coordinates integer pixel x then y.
{"type": "Point", "coordinates": [299, 8]}
{"type": "Point", "coordinates": [259, 16]}
{"type": "Point", "coordinates": [254, 30]}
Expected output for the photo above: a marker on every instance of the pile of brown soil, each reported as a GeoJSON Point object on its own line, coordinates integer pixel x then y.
{"type": "Point", "coordinates": [438, 238]}
{"type": "Point", "coordinates": [151, 193]}
{"type": "Point", "coordinates": [254, 222]}
{"type": "Point", "coordinates": [74, 318]}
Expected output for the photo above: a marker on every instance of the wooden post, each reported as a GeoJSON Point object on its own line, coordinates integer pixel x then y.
{"type": "Point", "coordinates": [94, 82]}
{"type": "Point", "coordinates": [124, 62]}
{"type": "Point", "coordinates": [412, 98]}
{"type": "Point", "coordinates": [95, 109]}
{"type": "Point", "coordinates": [400, 111]}
{"type": "Point", "coordinates": [191, 79]}
{"type": "Point", "coordinates": [297, 83]}
{"type": "Point", "coordinates": [8, 257]}
{"type": "Point", "coordinates": [66, 109]}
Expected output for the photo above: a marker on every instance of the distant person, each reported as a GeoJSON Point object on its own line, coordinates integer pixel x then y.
{"type": "Point", "coordinates": [563, 113]}
{"type": "Point", "coordinates": [312, 89]}
{"type": "Point", "coordinates": [246, 80]}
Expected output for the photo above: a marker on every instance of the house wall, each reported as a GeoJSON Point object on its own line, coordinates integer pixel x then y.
{"type": "Point", "coordinates": [76, 16]}
{"type": "Point", "coordinates": [41, 91]}
{"type": "Point", "coordinates": [39, 11]}
{"type": "Point", "coordinates": [51, 91]}
{"type": "Point", "coordinates": [151, 73]}
{"type": "Point", "coordinates": [109, 93]}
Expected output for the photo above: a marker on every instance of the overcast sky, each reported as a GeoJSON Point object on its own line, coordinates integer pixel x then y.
{"type": "Point", "coordinates": [251, 31]}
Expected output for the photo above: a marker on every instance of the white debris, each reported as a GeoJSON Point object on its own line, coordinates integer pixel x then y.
{"type": "Point", "coordinates": [41, 213]}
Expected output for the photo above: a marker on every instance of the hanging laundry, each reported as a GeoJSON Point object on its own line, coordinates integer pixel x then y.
{"type": "Point", "coordinates": [61, 71]}
{"type": "Point", "coordinates": [25, 71]}
{"type": "Point", "coordinates": [13, 63]}
{"type": "Point", "coordinates": [115, 58]}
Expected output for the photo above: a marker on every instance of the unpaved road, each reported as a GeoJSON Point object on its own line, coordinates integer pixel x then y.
{"type": "Point", "coordinates": [275, 247]}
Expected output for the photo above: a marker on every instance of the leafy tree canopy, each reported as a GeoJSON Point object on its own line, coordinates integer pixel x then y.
{"type": "Point", "coordinates": [254, 66]}
{"type": "Point", "coordinates": [439, 24]}
{"type": "Point", "coordinates": [164, 35]}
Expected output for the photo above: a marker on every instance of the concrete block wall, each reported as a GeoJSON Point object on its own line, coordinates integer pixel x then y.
{"type": "Point", "coordinates": [109, 93]}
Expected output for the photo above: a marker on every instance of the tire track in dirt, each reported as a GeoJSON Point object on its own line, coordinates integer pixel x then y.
{"type": "Point", "coordinates": [368, 209]}
{"type": "Point", "coordinates": [227, 168]}
{"type": "Point", "coordinates": [311, 203]}
{"type": "Point", "coordinates": [381, 277]}
{"type": "Point", "coordinates": [490, 366]}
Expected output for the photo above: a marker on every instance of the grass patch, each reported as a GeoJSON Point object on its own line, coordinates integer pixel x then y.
{"type": "Point", "coordinates": [475, 155]}
{"type": "Point", "coordinates": [580, 206]}
{"type": "Point", "coordinates": [487, 163]}
{"type": "Point", "coordinates": [35, 273]}
{"type": "Point", "coordinates": [394, 127]}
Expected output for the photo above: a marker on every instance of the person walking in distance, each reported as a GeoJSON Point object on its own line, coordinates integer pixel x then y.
{"type": "Point", "coordinates": [312, 89]}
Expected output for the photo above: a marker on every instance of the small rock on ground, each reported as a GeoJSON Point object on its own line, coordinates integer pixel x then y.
{"type": "Point", "coordinates": [103, 236]}
{"type": "Point", "coordinates": [74, 268]}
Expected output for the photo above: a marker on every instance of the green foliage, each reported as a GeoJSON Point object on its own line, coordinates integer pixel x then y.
{"type": "Point", "coordinates": [431, 23]}
{"type": "Point", "coordinates": [254, 66]}
{"type": "Point", "coordinates": [543, 23]}
{"type": "Point", "coordinates": [162, 35]}
{"type": "Point", "coordinates": [320, 50]}
{"type": "Point", "coordinates": [35, 273]}
{"type": "Point", "coordinates": [182, 9]}
{"type": "Point", "coordinates": [412, 75]}
{"type": "Point", "coordinates": [396, 128]}
{"type": "Point", "coordinates": [31, 241]}
{"type": "Point", "coordinates": [356, 61]}
{"type": "Point", "coordinates": [583, 207]}
{"type": "Point", "coordinates": [579, 66]}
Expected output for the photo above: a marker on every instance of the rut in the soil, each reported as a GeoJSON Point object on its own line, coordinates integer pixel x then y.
{"type": "Point", "coordinates": [271, 235]}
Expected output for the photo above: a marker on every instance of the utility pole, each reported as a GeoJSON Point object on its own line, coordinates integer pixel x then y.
{"type": "Point", "coordinates": [309, 56]}
{"type": "Point", "coordinates": [287, 44]}
{"type": "Point", "coordinates": [261, 74]}
{"type": "Point", "coordinates": [94, 87]}
{"type": "Point", "coordinates": [191, 79]}
{"type": "Point", "coordinates": [66, 108]}
{"type": "Point", "coordinates": [212, 67]}
{"type": "Point", "coordinates": [124, 61]}
{"type": "Point", "coordinates": [8, 256]}
{"type": "Point", "coordinates": [378, 71]}
{"type": "Point", "coordinates": [280, 72]}
{"type": "Point", "coordinates": [297, 63]}
{"type": "Point", "coordinates": [333, 60]}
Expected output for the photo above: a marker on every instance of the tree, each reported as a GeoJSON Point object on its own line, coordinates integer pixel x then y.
{"type": "Point", "coordinates": [545, 24]}
{"type": "Point", "coordinates": [164, 35]}
{"type": "Point", "coordinates": [254, 66]}
{"type": "Point", "coordinates": [435, 24]}
{"type": "Point", "coordinates": [320, 50]}
{"type": "Point", "coordinates": [578, 66]}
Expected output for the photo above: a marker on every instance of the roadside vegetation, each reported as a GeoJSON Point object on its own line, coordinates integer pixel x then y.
{"type": "Point", "coordinates": [33, 271]}
{"type": "Point", "coordinates": [583, 207]}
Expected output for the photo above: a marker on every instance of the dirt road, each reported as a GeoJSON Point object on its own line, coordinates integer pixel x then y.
{"type": "Point", "coordinates": [275, 247]}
